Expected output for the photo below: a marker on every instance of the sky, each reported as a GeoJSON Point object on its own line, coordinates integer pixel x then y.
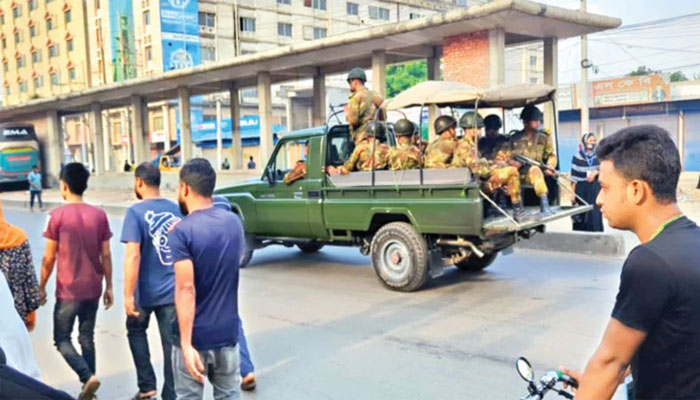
{"type": "Point", "coordinates": [667, 47]}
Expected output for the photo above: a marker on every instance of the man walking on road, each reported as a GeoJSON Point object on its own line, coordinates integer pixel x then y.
{"type": "Point", "coordinates": [206, 247]}
{"type": "Point", "coordinates": [654, 329]}
{"type": "Point", "coordinates": [77, 241]}
{"type": "Point", "coordinates": [34, 179]}
{"type": "Point", "coordinates": [149, 278]}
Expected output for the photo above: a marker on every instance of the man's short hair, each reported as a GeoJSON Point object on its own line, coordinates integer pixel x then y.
{"type": "Point", "coordinates": [200, 176]}
{"type": "Point", "coordinates": [149, 173]}
{"type": "Point", "coordinates": [647, 153]}
{"type": "Point", "coordinates": [75, 176]}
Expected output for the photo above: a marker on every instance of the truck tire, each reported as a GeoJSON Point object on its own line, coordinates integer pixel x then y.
{"type": "Point", "coordinates": [474, 263]}
{"type": "Point", "coordinates": [400, 257]}
{"type": "Point", "coordinates": [247, 254]}
{"type": "Point", "coordinates": [310, 247]}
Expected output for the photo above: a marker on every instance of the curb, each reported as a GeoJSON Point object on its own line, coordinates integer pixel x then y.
{"type": "Point", "coordinates": [111, 209]}
{"type": "Point", "coordinates": [593, 244]}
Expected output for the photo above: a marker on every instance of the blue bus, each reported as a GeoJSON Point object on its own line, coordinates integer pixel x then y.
{"type": "Point", "coordinates": [19, 152]}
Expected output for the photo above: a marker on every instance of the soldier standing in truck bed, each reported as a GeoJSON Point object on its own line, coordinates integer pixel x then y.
{"type": "Point", "coordinates": [439, 153]}
{"type": "Point", "coordinates": [362, 105]}
{"type": "Point", "coordinates": [405, 155]}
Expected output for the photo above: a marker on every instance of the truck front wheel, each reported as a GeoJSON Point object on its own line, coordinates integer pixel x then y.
{"type": "Point", "coordinates": [474, 263]}
{"type": "Point", "coordinates": [400, 257]}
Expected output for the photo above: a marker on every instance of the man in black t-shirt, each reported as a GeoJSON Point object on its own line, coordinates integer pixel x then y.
{"type": "Point", "coordinates": [654, 332]}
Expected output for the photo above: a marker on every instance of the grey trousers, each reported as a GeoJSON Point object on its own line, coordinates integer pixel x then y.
{"type": "Point", "coordinates": [221, 367]}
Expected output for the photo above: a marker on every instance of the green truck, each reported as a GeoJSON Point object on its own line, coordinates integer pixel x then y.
{"type": "Point", "coordinates": [412, 223]}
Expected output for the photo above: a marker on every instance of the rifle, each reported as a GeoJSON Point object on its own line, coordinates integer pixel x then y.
{"type": "Point", "coordinates": [527, 160]}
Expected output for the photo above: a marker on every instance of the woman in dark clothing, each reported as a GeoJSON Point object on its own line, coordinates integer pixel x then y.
{"type": "Point", "coordinates": [584, 173]}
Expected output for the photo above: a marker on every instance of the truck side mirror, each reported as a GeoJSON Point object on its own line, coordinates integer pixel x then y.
{"type": "Point", "coordinates": [270, 175]}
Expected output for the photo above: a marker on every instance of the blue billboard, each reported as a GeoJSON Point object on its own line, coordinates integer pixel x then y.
{"type": "Point", "coordinates": [180, 32]}
{"type": "Point", "coordinates": [204, 133]}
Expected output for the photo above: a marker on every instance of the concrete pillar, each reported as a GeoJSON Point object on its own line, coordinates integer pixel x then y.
{"type": "Point", "coordinates": [138, 129]}
{"type": "Point", "coordinates": [319, 100]}
{"type": "Point", "coordinates": [186, 149]}
{"type": "Point", "coordinates": [265, 112]}
{"type": "Point", "coordinates": [237, 141]}
{"type": "Point", "coordinates": [497, 51]}
{"type": "Point", "coordinates": [165, 111]}
{"type": "Point", "coordinates": [550, 78]}
{"type": "Point", "coordinates": [98, 142]}
{"type": "Point", "coordinates": [107, 152]}
{"type": "Point", "coordinates": [54, 146]}
{"type": "Point", "coordinates": [433, 75]}
{"type": "Point", "coordinates": [379, 72]}
{"type": "Point", "coordinates": [681, 138]}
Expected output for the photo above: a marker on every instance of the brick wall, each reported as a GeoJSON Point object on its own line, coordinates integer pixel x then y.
{"type": "Point", "coordinates": [466, 58]}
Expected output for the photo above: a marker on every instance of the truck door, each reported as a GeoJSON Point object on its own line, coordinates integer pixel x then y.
{"type": "Point", "coordinates": [282, 209]}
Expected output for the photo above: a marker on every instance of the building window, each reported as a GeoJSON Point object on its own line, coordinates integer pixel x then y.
{"type": "Point", "coordinates": [4, 43]}
{"type": "Point", "coordinates": [49, 24]}
{"type": "Point", "coordinates": [2, 19]}
{"type": "Point", "coordinates": [462, 3]}
{"type": "Point", "coordinates": [38, 82]}
{"type": "Point", "coordinates": [147, 18]}
{"type": "Point", "coordinates": [18, 38]}
{"type": "Point", "coordinates": [284, 29]}
{"type": "Point", "coordinates": [317, 4]}
{"type": "Point", "coordinates": [158, 123]}
{"type": "Point", "coordinates": [68, 16]}
{"type": "Point", "coordinates": [5, 67]}
{"type": "Point", "coordinates": [533, 61]}
{"type": "Point", "coordinates": [32, 31]}
{"type": "Point", "coordinates": [23, 87]}
{"type": "Point", "coordinates": [70, 44]}
{"type": "Point", "coordinates": [7, 90]}
{"type": "Point", "coordinates": [533, 80]}
{"type": "Point", "coordinates": [32, 5]}
{"type": "Point", "coordinates": [353, 9]}
{"type": "Point", "coordinates": [208, 53]}
{"type": "Point", "coordinates": [414, 16]}
{"type": "Point", "coordinates": [21, 62]}
{"type": "Point", "coordinates": [71, 74]}
{"type": "Point", "coordinates": [97, 5]}
{"type": "Point", "coordinates": [288, 2]}
{"type": "Point", "coordinates": [17, 11]}
{"type": "Point", "coordinates": [53, 51]}
{"type": "Point", "coordinates": [149, 53]}
{"type": "Point", "coordinates": [247, 24]}
{"type": "Point", "coordinates": [378, 13]}
{"type": "Point", "coordinates": [207, 19]}
{"type": "Point", "coordinates": [54, 78]}
{"type": "Point", "coordinates": [36, 57]}
{"type": "Point", "coordinates": [320, 33]}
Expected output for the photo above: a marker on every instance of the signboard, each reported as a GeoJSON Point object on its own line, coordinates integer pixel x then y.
{"type": "Point", "coordinates": [630, 90]}
{"type": "Point", "coordinates": [180, 31]}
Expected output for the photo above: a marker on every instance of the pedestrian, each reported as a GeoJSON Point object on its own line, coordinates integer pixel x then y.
{"type": "Point", "coordinates": [17, 266]}
{"type": "Point", "coordinates": [251, 163]}
{"type": "Point", "coordinates": [654, 329]}
{"type": "Point", "coordinates": [127, 166]}
{"type": "Point", "coordinates": [226, 165]}
{"type": "Point", "coordinates": [34, 179]}
{"type": "Point", "coordinates": [14, 338]}
{"type": "Point", "coordinates": [584, 172]}
{"type": "Point", "coordinates": [77, 241]}
{"type": "Point", "coordinates": [149, 278]}
{"type": "Point", "coordinates": [247, 368]}
{"type": "Point", "coordinates": [206, 247]}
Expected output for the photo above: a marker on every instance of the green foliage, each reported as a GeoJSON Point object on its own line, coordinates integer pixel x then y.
{"type": "Point", "coordinates": [402, 76]}
{"type": "Point", "coordinates": [642, 70]}
{"type": "Point", "coordinates": [678, 76]}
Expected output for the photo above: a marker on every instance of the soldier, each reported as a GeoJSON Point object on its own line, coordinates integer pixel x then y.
{"type": "Point", "coordinates": [362, 105]}
{"type": "Point", "coordinates": [299, 170]}
{"type": "Point", "coordinates": [536, 144]}
{"type": "Point", "coordinates": [497, 174]}
{"type": "Point", "coordinates": [361, 158]}
{"type": "Point", "coordinates": [405, 155]}
{"type": "Point", "coordinates": [439, 153]}
{"type": "Point", "coordinates": [491, 143]}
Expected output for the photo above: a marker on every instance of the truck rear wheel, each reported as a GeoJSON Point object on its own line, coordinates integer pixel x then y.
{"type": "Point", "coordinates": [247, 254]}
{"type": "Point", "coordinates": [310, 247]}
{"type": "Point", "coordinates": [400, 257]}
{"type": "Point", "coordinates": [474, 263]}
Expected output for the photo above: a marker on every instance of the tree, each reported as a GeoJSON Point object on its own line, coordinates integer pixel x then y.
{"type": "Point", "coordinates": [678, 76]}
{"type": "Point", "coordinates": [642, 70]}
{"type": "Point", "coordinates": [402, 76]}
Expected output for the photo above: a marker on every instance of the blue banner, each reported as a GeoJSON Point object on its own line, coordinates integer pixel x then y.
{"type": "Point", "coordinates": [205, 131]}
{"type": "Point", "coordinates": [180, 31]}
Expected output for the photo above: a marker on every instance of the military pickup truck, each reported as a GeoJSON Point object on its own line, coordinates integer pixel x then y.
{"type": "Point", "coordinates": [412, 223]}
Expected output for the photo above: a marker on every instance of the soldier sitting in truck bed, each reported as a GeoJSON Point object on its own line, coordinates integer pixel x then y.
{"type": "Point", "coordinates": [369, 154]}
{"type": "Point", "coordinates": [405, 155]}
{"type": "Point", "coordinates": [439, 153]}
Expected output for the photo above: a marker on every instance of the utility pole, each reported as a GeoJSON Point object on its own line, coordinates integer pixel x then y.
{"type": "Point", "coordinates": [219, 144]}
{"type": "Point", "coordinates": [585, 64]}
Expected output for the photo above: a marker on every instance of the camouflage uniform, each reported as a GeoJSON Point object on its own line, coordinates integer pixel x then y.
{"type": "Point", "coordinates": [490, 146]}
{"type": "Point", "coordinates": [540, 149]}
{"type": "Point", "coordinates": [361, 157]}
{"type": "Point", "coordinates": [298, 172]}
{"type": "Point", "coordinates": [439, 153]}
{"type": "Point", "coordinates": [404, 156]}
{"type": "Point", "coordinates": [496, 176]}
{"type": "Point", "coordinates": [361, 108]}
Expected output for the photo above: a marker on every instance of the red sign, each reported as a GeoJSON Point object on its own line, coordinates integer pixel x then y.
{"type": "Point", "coordinates": [19, 158]}
{"type": "Point", "coordinates": [630, 90]}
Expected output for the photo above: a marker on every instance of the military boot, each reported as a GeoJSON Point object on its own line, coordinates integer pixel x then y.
{"type": "Point", "coordinates": [518, 212]}
{"type": "Point", "coordinates": [544, 206]}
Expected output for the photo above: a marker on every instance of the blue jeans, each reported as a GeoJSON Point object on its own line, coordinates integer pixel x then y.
{"type": "Point", "coordinates": [221, 367]}
{"type": "Point", "coordinates": [64, 315]}
{"type": "Point", "coordinates": [138, 342]}
{"type": "Point", "coordinates": [246, 364]}
{"type": "Point", "coordinates": [37, 194]}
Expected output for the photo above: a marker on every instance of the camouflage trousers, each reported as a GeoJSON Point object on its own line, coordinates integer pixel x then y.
{"type": "Point", "coordinates": [507, 177]}
{"type": "Point", "coordinates": [535, 177]}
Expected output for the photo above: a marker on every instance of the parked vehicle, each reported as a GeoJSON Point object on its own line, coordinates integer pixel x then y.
{"type": "Point", "coordinates": [19, 152]}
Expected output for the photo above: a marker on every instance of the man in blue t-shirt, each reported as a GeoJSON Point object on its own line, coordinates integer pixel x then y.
{"type": "Point", "coordinates": [149, 278]}
{"type": "Point", "coordinates": [206, 248]}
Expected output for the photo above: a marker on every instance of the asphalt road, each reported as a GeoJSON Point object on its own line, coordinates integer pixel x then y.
{"type": "Point", "coordinates": [322, 327]}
